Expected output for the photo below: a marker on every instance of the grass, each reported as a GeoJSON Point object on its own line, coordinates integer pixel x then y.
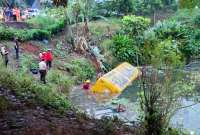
{"type": "Point", "coordinates": [4, 104]}
{"type": "Point", "coordinates": [81, 69]}
{"type": "Point", "coordinates": [100, 27]}
{"type": "Point", "coordinates": [27, 87]}
{"type": "Point", "coordinates": [62, 82]}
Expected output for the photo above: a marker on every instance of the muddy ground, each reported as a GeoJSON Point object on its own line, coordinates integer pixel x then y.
{"type": "Point", "coordinates": [22, 117]}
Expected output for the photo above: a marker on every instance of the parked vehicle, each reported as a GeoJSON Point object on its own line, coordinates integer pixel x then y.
{"type": "Point", "coordinates": [24, 15]}
{"type": "Point", "coordinates": [33, 12]}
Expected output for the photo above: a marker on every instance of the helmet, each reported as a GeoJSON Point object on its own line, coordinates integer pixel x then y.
{"type": "Point", "coordinates": [87, 81]}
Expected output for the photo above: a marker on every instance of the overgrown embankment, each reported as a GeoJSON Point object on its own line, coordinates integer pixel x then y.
{"type": "Point", "coordinates": [50, 22]}
{"type": "Point", "coordinates": [28, 108]}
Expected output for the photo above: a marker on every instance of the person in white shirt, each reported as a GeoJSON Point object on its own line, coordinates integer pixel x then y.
{"type": "Point", "coordinates": [43, 71]}
{"type": "Point", "coordinates": [3, 50]}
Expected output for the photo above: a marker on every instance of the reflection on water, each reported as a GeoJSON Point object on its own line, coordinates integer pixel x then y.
{"type": "Point", "coordinates": [187, 118]}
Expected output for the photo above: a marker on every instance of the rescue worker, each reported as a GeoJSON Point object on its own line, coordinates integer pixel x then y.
{"type": "Point", "coordinates": [17, 48]}
{"type": "Point", "coordinates": [43, 71]}
{"type": "Point", "coordinates": [42, 56]}
{"type": "Point", "coordinates": [86, 85]}
{"type": "Point", "coordinates": [49, 58]}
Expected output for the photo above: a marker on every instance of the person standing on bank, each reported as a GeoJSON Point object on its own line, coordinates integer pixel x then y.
{"type": "Point", "coordinates": [6, 58]}
{"type": "Point", "coordinates": [17, 48]}
{"type": "Point", "coordinates": [43, 71]}
{"type": "Point", "coordinates": [49, 58]}
{"type": "Point", "coordinates": [3, 50]}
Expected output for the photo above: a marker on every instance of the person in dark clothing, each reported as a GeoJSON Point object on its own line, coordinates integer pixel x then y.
{"type": "Point", "coordinates": [43, 71]}
{"type": "Point", "coordinates": [17, 48]}
{"type": "Point", "coordinates": [6, 58]}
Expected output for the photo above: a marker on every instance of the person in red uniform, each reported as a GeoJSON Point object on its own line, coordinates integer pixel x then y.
{"type": "Point", "coordinates": [49, 58]}
{"type": "Point", "coordinates": [42, 56]}
{"type": "Point", "coordinates": [86, 85]}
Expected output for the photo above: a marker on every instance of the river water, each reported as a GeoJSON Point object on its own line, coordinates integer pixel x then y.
{"type": "Point", "coordinates": [187, 118]}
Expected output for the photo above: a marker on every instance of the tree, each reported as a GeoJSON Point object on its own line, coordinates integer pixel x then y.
{"type": "Point", "coordinates": [134, 26]}
{"type": "Point", "coordinates": [160, 98]}
{"type": "Point", "coordinates": [124, 49]}
{"type": "Point", "coordinates": [123, 6]}
{"type": "Point", "coordinates": [188, 3]}
{"type": "Point", "coordinates": [5, 3]}
{"type": "Point", "coordinates": [118, 7]}
{"type": "Point", "coordinates": [60, 2]}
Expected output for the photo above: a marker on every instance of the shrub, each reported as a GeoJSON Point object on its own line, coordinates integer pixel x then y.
{"type": "Point", "coordinates": [197, 21]}
{"type": "Point", "coordinates": [26, 87]}
{"type": "Point", "coordinates": [26, 63]}
{"type": "Point", "coordinates": [41, 21]}
{"type": "Point", "coordinates": [82, 69]}
{"type": "Point", "coordinates": [184, 35]}
{"type": "Point", "coordinates": [62, 82]}
{"type": "Point", "coordinates": [42, 28]}
{"type": "Point", "coordinates": [105, 45]}
{"type": "Point", "coordinates": [134, 26]}
{"type": "Point", "coordinates": [166, 53]}
{"type": "Point", "coordinates": [124, 49]}
{"type": "Point", "coordinates": [5, 33]}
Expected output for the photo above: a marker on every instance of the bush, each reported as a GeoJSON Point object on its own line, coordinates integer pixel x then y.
{"type": "Point", "coordinates": [41, 21]}
{"type": "Point", "coordinates": [62, 82]}
{"type": "Point", "coordinates": [23, 35]}
{"type": "Point", "coordinates": [197, 21]}
{"type": "Point", "coordinates": [134, 26]}
{"type": "Point", "coordinates": [25, 86]}
{"type": "Point", "coordinates": [166, 53]}
{"type": "Point", "coordinates": [82, 69]}
{"type": "Point", "coordinates": [124, 49]}
{"type": "Point", "coordinates": [42, 28]}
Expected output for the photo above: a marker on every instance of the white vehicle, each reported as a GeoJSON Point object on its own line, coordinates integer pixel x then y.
{"type": "Point", "coordinates": [33, 12]}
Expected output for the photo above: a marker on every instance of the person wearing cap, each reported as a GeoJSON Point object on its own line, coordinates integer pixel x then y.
{"type": "Point", "coordinates": [86, 85]}
{"type": "Point", "coordinates": [49, 58]}
{"type": "Point", "coordinates": [43, 71]}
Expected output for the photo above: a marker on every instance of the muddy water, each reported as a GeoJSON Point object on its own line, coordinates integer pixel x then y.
{"type": "Point", "coordinates": [187, 118]}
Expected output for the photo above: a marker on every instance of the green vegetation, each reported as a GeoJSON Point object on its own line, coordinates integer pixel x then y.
{"type": "Point", "coordinates": [139, 7]}
{"type": "Point", "coordinates": [42, 27]}
{"type": "Point", "coordinates": [4, 104]}
{"type": "Point", "coordinates": [125, 49]}
{"type": "Point", "coordinates": [132, 33]}
{"type": "Point", "coordinates": [62, 82]}
{"type": "Point", "coordinates": [82, 70]}
{"type": "Point", "coordinates": [181, 31]}
{"type": "Point", "coordinates": [27, 87]}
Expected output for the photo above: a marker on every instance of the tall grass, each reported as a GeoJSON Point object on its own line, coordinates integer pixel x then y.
{"type": "Point", "coordinates": [27, 87]}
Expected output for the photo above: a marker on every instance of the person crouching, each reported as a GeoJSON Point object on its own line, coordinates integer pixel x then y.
{"type": "Point", "coordinates": [43, 71]}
